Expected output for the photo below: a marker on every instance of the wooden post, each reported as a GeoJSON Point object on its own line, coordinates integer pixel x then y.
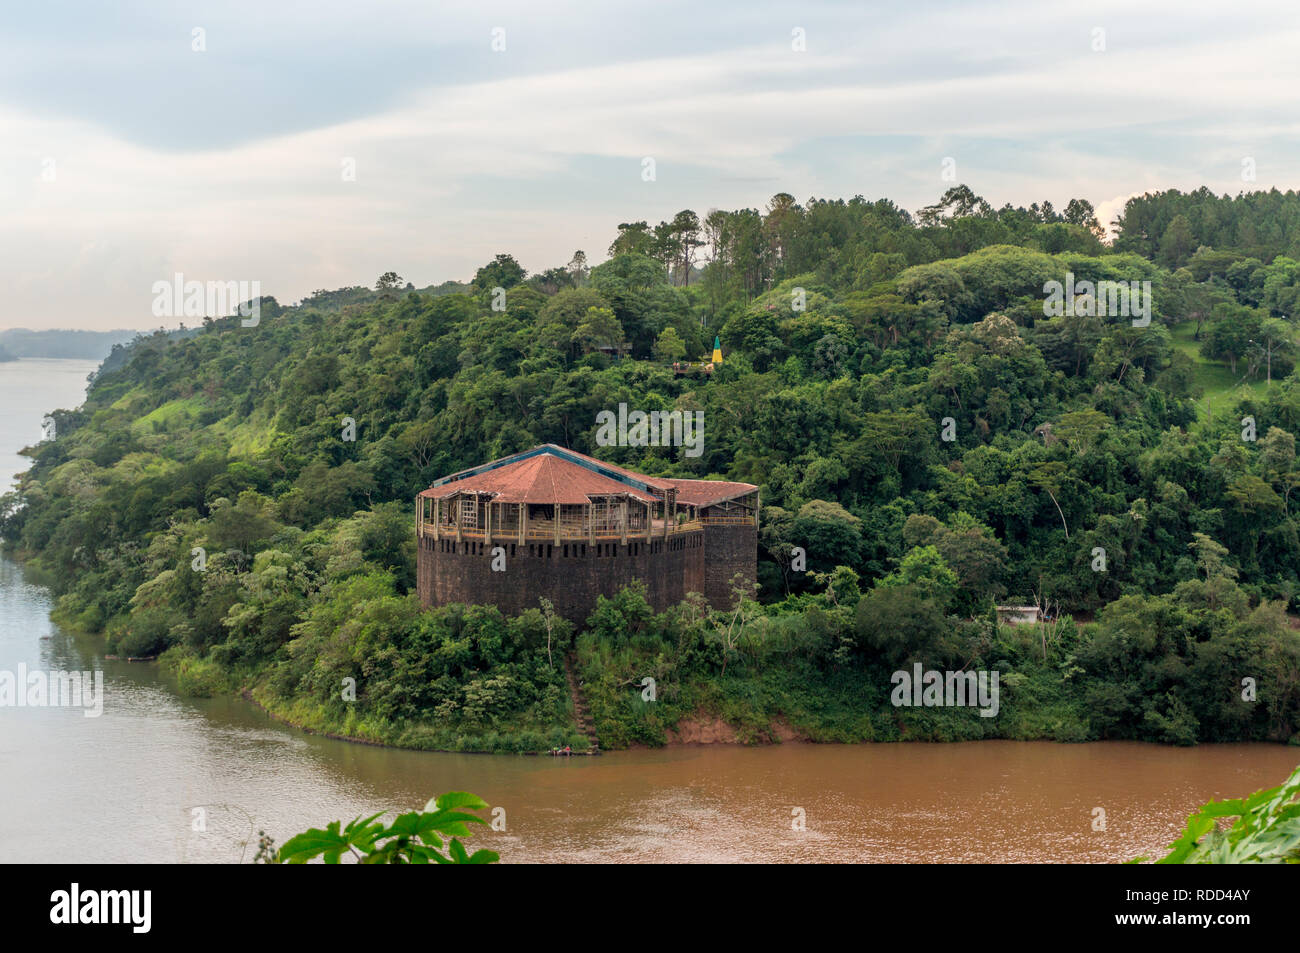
{"type": "Point", "coordinates": [523, 523]}
{"type": "Point", "coordinates": [487, 525]}
{"type": "Point", "coordinates": [622, 519]}
{"type": "Point", "coordinates": [591, 522]}
{"type": "Point", "coordinates": [437, 515]}
{"type": "Point", "coordinates": [649, 520]}
{"type": "Point", "coordinates": [557, 511]}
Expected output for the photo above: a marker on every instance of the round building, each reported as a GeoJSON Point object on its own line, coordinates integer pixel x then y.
{"type": "Point", "coordinates": [556, 524]}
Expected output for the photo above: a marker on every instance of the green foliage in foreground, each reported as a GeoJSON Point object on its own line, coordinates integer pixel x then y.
{"type": "Point", "coordinates": [1267, 830]}
{"type": "Point", "coordinates": [431, 836]}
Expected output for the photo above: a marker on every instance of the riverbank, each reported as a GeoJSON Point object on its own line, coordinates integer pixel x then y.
{"type": "Point", "coordinates": [286, 717]}
{"type": "Point", "coordinates": [758, 703]}
{"type": "Point", "coordinates": [164, 755]}
{"type": "Point", "coordinates": [310, 716]}
{"type": "Point", "coordinates": [808, 673]}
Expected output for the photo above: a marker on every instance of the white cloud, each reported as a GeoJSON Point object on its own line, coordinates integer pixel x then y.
{"type": "Point", "coordinates": [456, 173]}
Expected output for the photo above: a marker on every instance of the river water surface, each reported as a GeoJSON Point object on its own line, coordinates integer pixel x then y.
{"type": "Point", "coordinates": [134, 784]}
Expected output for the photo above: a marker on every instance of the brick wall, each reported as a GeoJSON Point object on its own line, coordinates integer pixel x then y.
{"type": "Point", "coordinates": [728, 549]}
{"type": "Point", "coordinates": [571, 575]}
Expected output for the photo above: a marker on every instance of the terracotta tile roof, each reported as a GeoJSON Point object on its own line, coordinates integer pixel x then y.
{"type": "Point", "coordinates": [659, 483]}
{"type": "Point", "coordinates": [545, 478]}
{"type": "Point", "coordinates": [708, 492]}
{"type": "Point", "coordinates": [551, 474]}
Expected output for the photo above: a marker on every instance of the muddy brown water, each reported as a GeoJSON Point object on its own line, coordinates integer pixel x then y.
{"type": "Point", "coordinates": [157, 777]}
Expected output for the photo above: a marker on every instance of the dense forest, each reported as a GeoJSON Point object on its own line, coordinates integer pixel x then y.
{"type": "Point", "coordinates": [920, 426]}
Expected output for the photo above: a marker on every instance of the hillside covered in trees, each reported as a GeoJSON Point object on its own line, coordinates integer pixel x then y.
{"type": "Point", "coordinates": [918, 425]}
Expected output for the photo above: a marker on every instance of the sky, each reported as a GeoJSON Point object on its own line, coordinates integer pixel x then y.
{"type": "Point", "coordinates": [143, 139]}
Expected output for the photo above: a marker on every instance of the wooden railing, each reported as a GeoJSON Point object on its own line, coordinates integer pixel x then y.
{"type": "Point", "coordinates": [539, 529]}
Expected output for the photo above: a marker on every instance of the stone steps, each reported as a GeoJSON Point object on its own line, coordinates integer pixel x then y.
{"type": "Point", "coordinates": [581, 713]}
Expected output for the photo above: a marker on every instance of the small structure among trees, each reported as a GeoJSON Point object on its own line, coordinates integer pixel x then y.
{"type": "Point", "coordinates": [1019, 615]}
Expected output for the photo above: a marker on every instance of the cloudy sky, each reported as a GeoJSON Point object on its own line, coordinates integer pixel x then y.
{"type": "Point", "coordinates": [127, 155]}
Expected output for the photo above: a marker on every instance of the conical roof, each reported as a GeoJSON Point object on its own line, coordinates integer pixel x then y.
{"type": "Point", "coordinates": [540, 478]}
{"type": "Point", "coordinates": [551, 474]}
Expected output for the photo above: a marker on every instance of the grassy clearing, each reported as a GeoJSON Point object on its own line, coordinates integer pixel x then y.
{"type": "Point", "coordinates": [248, 438]}
{"type": "Point", "coordinates": [169, 414]}
{"type": "Point", "coordinates": [1220, 387]}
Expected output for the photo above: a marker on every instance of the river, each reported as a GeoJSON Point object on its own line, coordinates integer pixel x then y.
{"type": "Point", "coordinates": [159, 778]}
